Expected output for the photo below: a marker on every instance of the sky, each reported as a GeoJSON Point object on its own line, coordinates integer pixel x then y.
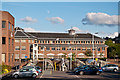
{"type": "Point", "coordinates": [84, 17]}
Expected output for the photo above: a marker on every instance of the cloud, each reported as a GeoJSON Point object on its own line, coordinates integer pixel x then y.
{"type": "Point", "coordinates": [28, 19]}
{"type": "Point", "coordinates": [100, 19]}
{"type": "Point", "coordinates": [77, 30]}
{"type": "Point", "coordinates": [115, 34]}
{"type": "Point", "coordinates": [29, 29]}
{"type": "Point", "coordinates": [110, 35]}
{"type": "Point", "coordinates": [56, 20]}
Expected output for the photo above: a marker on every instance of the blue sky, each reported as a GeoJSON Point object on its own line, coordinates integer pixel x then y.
{"type": "Point", "coordinates": [58, 17]}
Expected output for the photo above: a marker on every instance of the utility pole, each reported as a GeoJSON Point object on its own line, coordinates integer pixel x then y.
{"type": "Point", "coordinates": [93, 46]}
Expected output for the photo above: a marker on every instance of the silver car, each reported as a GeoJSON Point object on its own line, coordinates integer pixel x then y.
{"type": "Point", "coordinates": [26, 72]}
{"type": "Point", "coordinates": [110, 67]}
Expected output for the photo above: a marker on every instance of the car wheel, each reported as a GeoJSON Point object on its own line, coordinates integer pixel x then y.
{"type": "Point", "coordinates": [98, 72]}
{"type": "Point", "coordinates": [115, 70]}
{"type": "Point", "coordinates": [34, 75]}
{"type": "Point", "coordinates": [16, 76]}
{"type": "Point", "coordinates": [81, 72]}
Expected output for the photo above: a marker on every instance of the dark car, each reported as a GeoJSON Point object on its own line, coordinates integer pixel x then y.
{"type": "Point", "coordinates": [89, 69]}
{"type": "Point", "coordinates": [79, 67]}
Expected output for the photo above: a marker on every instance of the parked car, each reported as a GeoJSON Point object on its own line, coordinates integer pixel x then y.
{"type": "Point", "coordinates": [38, 69]}
{"type": "Point", "coordinates": [26, 72]}
{"type": "Point", "coordinates": [110, 67]}
{"type": "Point", "coordinates": [79, 67]}
{"type": "Point", "coordinates": [89, 69]}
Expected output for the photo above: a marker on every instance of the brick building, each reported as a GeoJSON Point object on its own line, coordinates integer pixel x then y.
{"type": "Point", "coordinates": [7, 38]}
{"type": "Point", "coordinates": [52, 45]}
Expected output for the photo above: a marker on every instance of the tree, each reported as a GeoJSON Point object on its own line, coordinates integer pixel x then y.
{"type": "Point", "coordinates": [113, 53]}
{"type": "Point", "coordinates": [88, 53]}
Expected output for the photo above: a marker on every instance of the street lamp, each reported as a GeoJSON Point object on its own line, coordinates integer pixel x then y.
{"type": "Point", "coordinates": [43, 57]}
{"type": "Point", "coordinates": [93, 45]}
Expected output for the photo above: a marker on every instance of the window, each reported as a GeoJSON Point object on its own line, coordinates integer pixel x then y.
{"type": "Point", "coordinates": [23, 56]}
{"type": "Point", "coordinates": [23, 40]}
{"type": "Point", "coordinates": [23, 47]}
{"type": "Point", "coordinates": [32, 41]}
{"type": "Point", "coordinates": [12, 57]}
{"type": "Point", "coordinates": [3, 40]}
{"type": "Point", "coordinates": [16, 56]}
{"type": "Point", "coordinates": [88, 49]}
{"type": "Point", "coordinates": [42, 41]}
{"type": "Point", "coordinates": [63, 48]}
{"type": "Point", "coordinates": [67, 41]}
{"type": "Point", "coordinates": [9, 58]}
{"type": "Point", "coordinates": [17, 40]}
{"type": "Point", "coordinates": [42, 48]}
{"type": "Point", "coordinates": [88, 41]}
{"type": "Point", "coordinates": [74, 48]}
{"type": "Point", "coordinates": [17, 48]}
{"type": "Point", "coordinates": [82, 41]}
{"type": "Point", "coordinates": [83, 49]}
{"type": "Point", "coordinates": [78, 49]}
{"type": "Point", "coordinates": [9, 25]}
{"type": "Point", "coordinates": [29, 41]}
{"type": "Point", "coordinates": [68, 48]}
{"type": "Point", "coordinates": [58, 48]}
{"type": "Point", "coordinates": [12, 27]}
{"type": "Point", "coordinates": [47, 48]}
{"type": "Point", "coordinates": [3, 24]}
{"type": "Point", "coordinates": [62, 42]}
{"type": "Point", "coordinates": [98, 49]}
{"type": "Point", "coordinates": [53, 48]}
{"type": "Point", "coordinates": [101, 41]}
{"type": "Point", "coordinates": [9, 41]}
{"type": "Point", "coordinates": [53, 41]}
{"type": "Point", "coordinates": [103, 48]}
{"type": "Point", "coordinates": [47, 42]}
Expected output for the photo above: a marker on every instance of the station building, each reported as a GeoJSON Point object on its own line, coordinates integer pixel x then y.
{"type": "Point", "coordinates": [7, 32]}
{"type": "Point", "coordinates": [38, 45]}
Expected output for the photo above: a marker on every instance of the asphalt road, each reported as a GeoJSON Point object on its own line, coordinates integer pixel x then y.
{"type": "Point", "coordinates": [59, 75]}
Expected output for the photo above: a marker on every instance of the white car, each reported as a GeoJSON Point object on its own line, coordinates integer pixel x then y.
{"type": "Point", "coordinates": [26, 72]}
{"type": "Point", "coordinates": [110, 67]}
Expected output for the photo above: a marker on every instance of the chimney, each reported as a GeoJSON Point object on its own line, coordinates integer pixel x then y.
{"type": "Point", "coordinates": [71, 32]}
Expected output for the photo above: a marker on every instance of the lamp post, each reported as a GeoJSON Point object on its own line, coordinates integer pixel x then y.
{"type": "Point", "coordinates": [43, 58]}
{"type": "Point", "coordinates": [93, 46]}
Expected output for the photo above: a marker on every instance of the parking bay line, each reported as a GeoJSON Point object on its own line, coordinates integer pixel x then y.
{"type": "Point", "coordinates": [41, 76]}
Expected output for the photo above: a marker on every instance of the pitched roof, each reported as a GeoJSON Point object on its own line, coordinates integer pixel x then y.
{"type": "Point", "coordinates": [62, 35]}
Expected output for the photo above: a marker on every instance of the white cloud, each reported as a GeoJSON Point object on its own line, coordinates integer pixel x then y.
{"type": "Point", "coordinates": [29, 29]}
{"type": "Point", "coordinates": [77, 30]}
{"type": "Point", "coordinates": [28, 19]}
{"type": "Point", "coordinates": [56, 20]}
{"type": "Point", "coordinates": [115, 34]}
{"type": "Point", "coordinates": [100, 19]}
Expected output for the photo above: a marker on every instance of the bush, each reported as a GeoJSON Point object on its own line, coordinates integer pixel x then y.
{"type": "Point", "coordinates": [5, 67]}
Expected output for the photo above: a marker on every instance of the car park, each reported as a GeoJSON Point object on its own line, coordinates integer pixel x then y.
{"type": "Point", "coordinates": [26, 72]}
{"type": "Point", "coordinates": [110, 67]}
{"type": "Point", "coordinates": [89, 69]}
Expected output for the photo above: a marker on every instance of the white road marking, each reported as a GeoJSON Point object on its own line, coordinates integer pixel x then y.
{"type": "Point", "coordinates": [40, 76]}
{"type": "Point", "coordinates": [76, 76]}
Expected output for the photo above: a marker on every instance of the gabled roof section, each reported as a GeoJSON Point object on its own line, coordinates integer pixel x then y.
{"type": "Point", "coordinates": [19, 33]}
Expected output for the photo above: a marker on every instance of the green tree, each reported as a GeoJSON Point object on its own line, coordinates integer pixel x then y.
{"type": "Point", "coordinates": [113, 53]}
